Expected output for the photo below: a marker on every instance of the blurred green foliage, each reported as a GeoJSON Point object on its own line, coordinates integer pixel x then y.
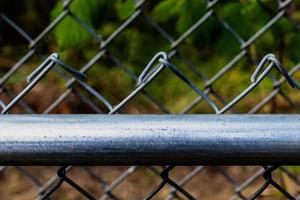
{"type": "Point", "coordinates": [245, 17]}
{"type": "Point", "coordinates": [209, 48]}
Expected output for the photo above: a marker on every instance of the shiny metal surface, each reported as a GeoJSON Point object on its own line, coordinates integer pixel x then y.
{"type": "Point", "coordinates": [149, 139]}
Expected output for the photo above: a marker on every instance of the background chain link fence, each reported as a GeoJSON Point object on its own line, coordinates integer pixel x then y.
{"type": "Point", "coordinates": [208, 88]}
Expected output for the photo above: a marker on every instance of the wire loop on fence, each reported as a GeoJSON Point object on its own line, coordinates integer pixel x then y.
{"type": "Point", "coordinates": [38, 74]}
{"type": "Point", "coordinates": [276, 63]}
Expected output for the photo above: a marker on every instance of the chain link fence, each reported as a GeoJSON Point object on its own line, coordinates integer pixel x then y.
{"type": "Point", "coordinates": [201, 85]}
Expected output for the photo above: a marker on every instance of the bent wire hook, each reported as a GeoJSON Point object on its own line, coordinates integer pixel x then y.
{"type": "Point", "coordinates": [277, 64]}
{"type": "Point", "coordinates": [148, 75]}
{"type": "Point", "coordinates": [143, 80]}
{"type": "Point", "coordinates": [189, 83]}
{"type": "Point", "coordinates": [39, 73]}
{"type": "Point", "coordinates": [256, 78]}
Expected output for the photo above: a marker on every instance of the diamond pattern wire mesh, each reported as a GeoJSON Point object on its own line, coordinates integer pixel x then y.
{"type": "Point", "coordinates": [136, 182]}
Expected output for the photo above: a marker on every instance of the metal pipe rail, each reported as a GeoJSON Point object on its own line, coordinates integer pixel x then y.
{"type": "Point", "coordinates": [149, 139]}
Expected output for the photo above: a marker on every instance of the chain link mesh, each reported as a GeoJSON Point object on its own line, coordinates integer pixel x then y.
{"type": "Point", "coordinates": [204, 92]}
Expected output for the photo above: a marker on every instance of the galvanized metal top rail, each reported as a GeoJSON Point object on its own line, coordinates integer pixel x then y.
{"type": "Point", "coordinates": [149, 139]}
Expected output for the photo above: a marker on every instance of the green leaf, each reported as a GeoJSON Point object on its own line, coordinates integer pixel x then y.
{"type": "Point", "coordinates": [226, 44]}
{"type": "Point", "coordinates": [70, 33]}
{"type": "Point", "coordinates": [235, 14]}
{"type": "Point", "coordinates": [125, 9]}
{"type": "Point", "coordinates": [190, 12]}
{"type": "Point", "coordinates": [167, 9]}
